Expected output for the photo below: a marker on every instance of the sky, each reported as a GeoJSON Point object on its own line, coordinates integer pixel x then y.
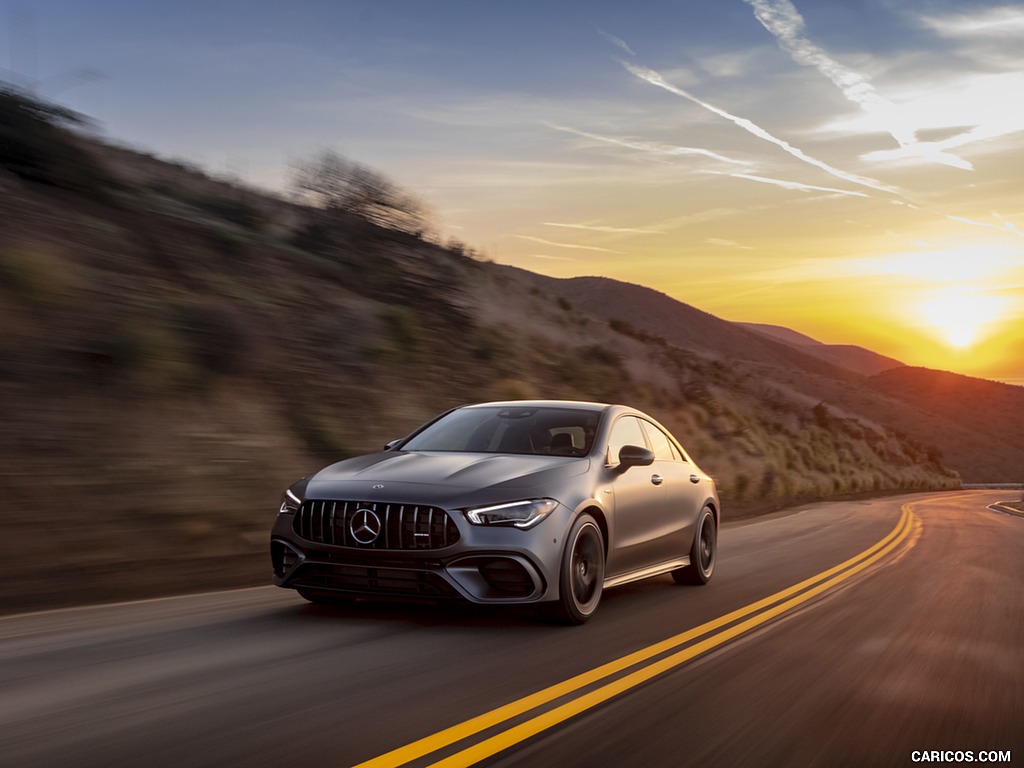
{"type": "Point", "coordinates": [850, 169]}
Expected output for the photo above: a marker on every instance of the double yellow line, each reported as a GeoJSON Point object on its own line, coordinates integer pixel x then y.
{"type": "Point", "coordinates": [731, 625]}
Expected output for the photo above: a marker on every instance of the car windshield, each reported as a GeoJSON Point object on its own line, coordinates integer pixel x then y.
{"type": "Point", "coordinates": [536, 430]}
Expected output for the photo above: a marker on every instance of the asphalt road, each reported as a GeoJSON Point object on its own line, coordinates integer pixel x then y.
{"type": "Point", "coordinates": [917, 645]}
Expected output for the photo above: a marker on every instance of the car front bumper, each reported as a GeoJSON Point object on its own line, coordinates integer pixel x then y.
{"type": "Point", "coordinates": [488, 564]}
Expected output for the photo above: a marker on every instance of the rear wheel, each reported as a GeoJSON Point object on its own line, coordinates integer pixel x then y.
{"type": "Point", "coordinates": [581, 574]}
{"type": "Point", "coordinates": [703, 553]}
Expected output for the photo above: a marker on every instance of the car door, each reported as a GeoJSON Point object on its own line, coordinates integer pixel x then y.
{"type": "Point", "coordinates": [638, 504]}
{"type": "Point", "coordinates": [682, 500]}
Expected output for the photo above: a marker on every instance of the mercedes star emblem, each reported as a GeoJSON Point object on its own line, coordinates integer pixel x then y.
{"type": "Point", "coordinates": [365, 526]}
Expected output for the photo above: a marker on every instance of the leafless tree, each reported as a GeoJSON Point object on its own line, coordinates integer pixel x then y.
{"type": "Point", "coordinates": [334, 182]}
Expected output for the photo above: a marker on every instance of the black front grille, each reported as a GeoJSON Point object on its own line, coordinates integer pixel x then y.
{"type": "Point", "coordinates": [375, 525]}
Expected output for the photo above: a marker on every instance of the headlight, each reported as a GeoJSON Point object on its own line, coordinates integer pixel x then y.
{"type": "Point", "coordinates": [290, 503]}
{"type": "Point", "coordinates": [521, 514]}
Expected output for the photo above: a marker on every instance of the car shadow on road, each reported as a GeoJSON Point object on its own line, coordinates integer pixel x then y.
{"type": "Point", "coordinates": [468, 615]}
{"type": "Point", "coordinates": [422, 614]}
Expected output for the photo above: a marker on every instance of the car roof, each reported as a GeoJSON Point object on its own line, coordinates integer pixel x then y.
{"type": "Point", "coordinates": [541, 404]}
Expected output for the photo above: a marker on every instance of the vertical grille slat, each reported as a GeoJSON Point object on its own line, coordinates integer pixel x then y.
{"type": "Point", "coordinates": [402, 526]}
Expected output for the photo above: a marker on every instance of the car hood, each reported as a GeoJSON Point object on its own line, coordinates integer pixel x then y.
{"type": "Point", "coordinates": [442, 478]}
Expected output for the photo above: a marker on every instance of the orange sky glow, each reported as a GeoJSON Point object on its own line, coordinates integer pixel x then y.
{"type": "Point", "coordinates": [851, 169]}
{"type": "Point", "coordinates": [878, 206]}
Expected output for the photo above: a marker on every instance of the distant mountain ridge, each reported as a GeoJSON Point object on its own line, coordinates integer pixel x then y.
{"type": "Point", "coordinates": [849, 356]}
{"type": "Point", "coordinates": [852, 381]}
{"type": "Point", "coordinates": [781, 333]}
{"type": "Point", "coordinates": [657, 314]}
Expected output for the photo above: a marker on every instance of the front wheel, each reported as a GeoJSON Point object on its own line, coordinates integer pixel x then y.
{"type": "Point", "coordinates": [703, 553]}
{"type": "Point", "coordinates": [581, 574]}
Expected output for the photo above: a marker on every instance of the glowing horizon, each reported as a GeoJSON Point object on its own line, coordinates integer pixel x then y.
{"type": "Point", "coordinates": [850, 170]}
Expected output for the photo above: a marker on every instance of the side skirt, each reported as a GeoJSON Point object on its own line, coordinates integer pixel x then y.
{"type": "Point", "coordinates": [646, 573]}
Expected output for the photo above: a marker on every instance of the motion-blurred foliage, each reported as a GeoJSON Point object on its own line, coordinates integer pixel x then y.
{"type": "Point", "coordinates": [35, 146]}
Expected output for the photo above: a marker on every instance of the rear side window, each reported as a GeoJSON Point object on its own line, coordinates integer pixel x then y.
{"type": "Point", "coordinates": [660, 443]}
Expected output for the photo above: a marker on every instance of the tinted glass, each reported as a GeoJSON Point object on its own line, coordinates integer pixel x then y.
{"type": "Point", "coordinates": [660, 443]}
{"type": "Point", "coordinates": [625, 432]}
{"type": "Point", "coordinates": [538, 431]}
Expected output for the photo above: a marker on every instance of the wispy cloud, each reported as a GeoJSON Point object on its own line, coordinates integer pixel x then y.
{"type": "Point", "coordinates": [548, 257]}
{"type": "Point", "coordinates": [574, 246]}
{"type": "Point", "coordinates": [617, 42]}
{"type": "Point", "coordinates": [1004, 21]}
{"type": "Point", "coordinates": [784, 22]}
{"type": "Point", "coordinates": [793, 184]}
{"type": "Point", "coordinates": [978, 264]}
{"type": "Point", "coordinates": [654, 78]}
{"type": "Point", "coordinates": [985, 100]}
{"type": "Point", "coordinates": [650, 147]}
{"type": "Point", "coordinates": [1005, 226]}
{"type": "Point", "coordinates": [1006, 223]}
{"type": "Point", "coordinates": [726, 243]}
{"type": "Point", "coordinates": [603, 228]}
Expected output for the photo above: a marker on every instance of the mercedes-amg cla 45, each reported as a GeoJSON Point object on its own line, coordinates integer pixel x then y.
{"type": "Point", "coordinates": [539, 502]}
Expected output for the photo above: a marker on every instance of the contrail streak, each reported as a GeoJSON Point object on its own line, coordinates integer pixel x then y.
{"type": "Point", "coordinates": [654, 78]}
{"type": "Point", "coordinates": [646, 146]}
{"type": "Point", "coordinates": [784, 22]}
{"type": "Point", "coordinates": [617, 42]}
{"type": "Point", "coordinates": [794, 184]}
{"type": "Point", "coordinates": [603, 228]}
{"type": "Point", "coordinates": [781, 18]}
{"type": "Point", "coordinates": [542, 241]}
{"type": "Point", "coordinates": [1005, 227]}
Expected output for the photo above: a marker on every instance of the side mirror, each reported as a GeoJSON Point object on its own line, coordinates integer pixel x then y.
{"type": "Point", "coordinates": [392, 444]}
{"type": "Point", "coordinates": [634, 456]}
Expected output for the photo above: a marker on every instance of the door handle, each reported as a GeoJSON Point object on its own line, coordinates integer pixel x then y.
{"type": "Point", "coordinates": [657, 479]}
{"type": "Point", "coordinates": [694, 479]}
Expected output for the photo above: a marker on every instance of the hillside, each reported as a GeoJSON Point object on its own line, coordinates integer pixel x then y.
{"type": "Point", "coordinates": [848, 356]}
{"type": "Point", "coordinates": [785, 335]}
{"type": "Point", "coordinates": [175, 350]}
{"type": "Point", "coordinates": [982, 421]}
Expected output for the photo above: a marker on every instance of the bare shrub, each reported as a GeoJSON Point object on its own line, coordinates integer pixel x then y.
{"type": "Point", "coordinates": [334, 182]}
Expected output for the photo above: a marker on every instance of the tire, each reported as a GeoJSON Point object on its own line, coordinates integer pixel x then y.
{"type": "Point", "coordinates": [581, 574]}
{"type": "Point", "coordinates": [703, 552]}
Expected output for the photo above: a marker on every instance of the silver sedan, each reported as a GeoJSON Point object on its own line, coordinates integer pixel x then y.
{"type": "Point", "coordinates": [540, 502]}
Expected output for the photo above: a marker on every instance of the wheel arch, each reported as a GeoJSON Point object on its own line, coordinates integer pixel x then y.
{"type": "Point", "coordinates": [602, 523]}
{"type": "Point", "coordinates": [713, 506]}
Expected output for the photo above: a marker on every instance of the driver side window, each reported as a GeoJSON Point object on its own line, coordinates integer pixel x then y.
{"type": "Point", "coordinates": [627, 431]}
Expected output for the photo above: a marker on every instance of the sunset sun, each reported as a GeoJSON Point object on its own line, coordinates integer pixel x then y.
{"type": "Point", "coordinates": [959, 317]}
